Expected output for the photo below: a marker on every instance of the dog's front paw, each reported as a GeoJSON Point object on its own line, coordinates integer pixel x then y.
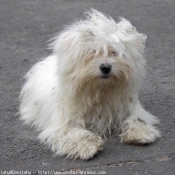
{"type": "Point", "coordinates": [85, 147]}
{"type": "Point", "coordinates": [88, 147]}
{"type": "Point", "coordinates": [140, 133]}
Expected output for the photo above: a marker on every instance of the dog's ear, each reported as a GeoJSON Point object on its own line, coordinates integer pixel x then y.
{"type": "Point", "coordinates": [125, 25]}
{"type": "Point", "coordinates": [66, 42]}
{"type": "Point", "coordinates": [71, 41]}
{"type": "Point", "coordinates": [130, 29]}
{"type": "Point", "coordinates": [136, 39]}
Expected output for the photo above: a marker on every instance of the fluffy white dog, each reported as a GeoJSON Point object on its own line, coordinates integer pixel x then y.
{"type": "Point", "coordinates": [88, 89]}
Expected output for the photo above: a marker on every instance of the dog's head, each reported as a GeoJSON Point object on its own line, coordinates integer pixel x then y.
{"type": "Point", "coordinates": [100, 50]}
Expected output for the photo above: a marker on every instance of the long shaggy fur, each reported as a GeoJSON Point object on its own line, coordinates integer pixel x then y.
{"type": "Point", "coordinates": [70, 101]}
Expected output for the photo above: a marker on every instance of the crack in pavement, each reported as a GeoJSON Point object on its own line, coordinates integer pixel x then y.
{"type": "Point", "coordinates": [125, 163]}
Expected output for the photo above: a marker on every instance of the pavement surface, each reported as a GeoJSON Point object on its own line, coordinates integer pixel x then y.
{"type": "Point", "coordinates": [25, 28]}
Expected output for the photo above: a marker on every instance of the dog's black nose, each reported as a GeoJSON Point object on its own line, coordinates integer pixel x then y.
{"type": "Point", "coordinates": [105, 68]}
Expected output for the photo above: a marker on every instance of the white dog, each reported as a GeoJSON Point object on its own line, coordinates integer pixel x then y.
{"type": "Point", "coordinates": [88, 89]}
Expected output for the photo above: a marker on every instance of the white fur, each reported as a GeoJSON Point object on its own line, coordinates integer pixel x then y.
{"type": "Point", "coordinates": [70, 103]}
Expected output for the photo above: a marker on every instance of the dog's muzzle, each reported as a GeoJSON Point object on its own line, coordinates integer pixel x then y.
{"type": "Point", "coordinates": [105, 69]}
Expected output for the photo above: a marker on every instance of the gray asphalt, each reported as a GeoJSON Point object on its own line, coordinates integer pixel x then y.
{"type": "Point", "coordinates": [25, 28]}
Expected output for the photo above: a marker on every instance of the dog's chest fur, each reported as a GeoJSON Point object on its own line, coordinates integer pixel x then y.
{"type": "Point", "coordinates": [104, 109]}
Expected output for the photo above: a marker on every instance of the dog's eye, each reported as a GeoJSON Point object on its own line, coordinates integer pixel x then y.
{"type": "Point", "coordinates": [113, 53]}
{"type": "Point", "coordinates": [90, 52]}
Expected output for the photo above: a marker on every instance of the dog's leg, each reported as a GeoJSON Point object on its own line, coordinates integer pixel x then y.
{"type": "Point", "coordinates": [138, 128]}
{"type": "Point", "coordinates": [72, 140]}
